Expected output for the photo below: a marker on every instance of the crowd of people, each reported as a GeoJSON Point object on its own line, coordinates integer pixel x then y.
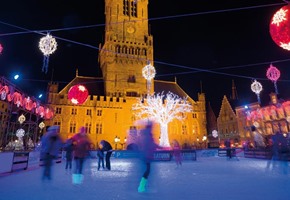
{"type": "Point", "coordinates": [77, 150]}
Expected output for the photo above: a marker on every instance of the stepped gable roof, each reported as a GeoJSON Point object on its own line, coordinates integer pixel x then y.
{"type": "Point", "coordinates": [226, 107]}
{"type": "Point", "coordinates": [168, 86]}
{"type": "Point", "coordinates": [95, 85]}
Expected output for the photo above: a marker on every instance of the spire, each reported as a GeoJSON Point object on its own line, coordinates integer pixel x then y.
{"type": "Point", "coordinates": [234, 91]}
{"type": "Point", "coordinates": [77, 72]}
{"type": "Point", "coordinates": [175, 79]}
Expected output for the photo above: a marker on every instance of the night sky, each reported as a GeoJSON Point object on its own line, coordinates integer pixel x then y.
{"type": "Point", "coordinates": [229, 38]}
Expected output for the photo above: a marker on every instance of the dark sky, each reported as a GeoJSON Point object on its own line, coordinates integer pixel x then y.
{"type": "Point", "coordinates": [188, 36]}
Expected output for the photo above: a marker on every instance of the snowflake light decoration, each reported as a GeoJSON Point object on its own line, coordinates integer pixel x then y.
{"type": "Point", "coordinates": [148, 72]}
{"type": "Point", "coordinates": [280, 27]}
{"type": "Point", "coordinates": [257, 87]}
{"type": "Point", "coordinates": [47, 46]}
{"type": "Point", "coordinates": [20, 133]}
{"type": "Point", "coordinates": [273, 74]}
{"type": "Point", "coordinates": [214, 133]}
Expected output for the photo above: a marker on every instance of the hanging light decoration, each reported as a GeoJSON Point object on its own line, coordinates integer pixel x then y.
{"type": "Point", "coordinates": [20, 133]}
{"type": "Point", "coordinates": [47, 46]}
{"type": "Point", "coordinates": [148, 72]}
{"type": "Point", "coordinates": [21, 119]}
{"type": "Point", "coordinates": [78, 94]}
{"type": "Point", "coordinates": [1, 48]}
{"type": "Point", "coordinates": [257, 87]}
{"type": "Point", "coordinates": [280, 27]}
{"type": "Point", "coordinates": [273, 74]}
{"type": "Point", "coordinates": [41, 125]}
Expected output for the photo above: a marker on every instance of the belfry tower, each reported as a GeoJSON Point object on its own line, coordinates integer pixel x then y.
{"type": "Point", "coordinates": [127, 48]}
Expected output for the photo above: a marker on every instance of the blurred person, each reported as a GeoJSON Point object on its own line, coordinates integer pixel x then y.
{"type": "Point", "coordinates": [100, 155]}
{"type": "Point", "coordinates": [50, 146]}
{"type": "Point", "coordinates": [258, 138]}
{"type": "Point", "coordinates": [228, 148]}
{"type": "Point", "coordinates": [177, 153]}
{"type": "Point", "coordinates": [147, 147]}
{"type": "Point", "coordinates": [107, 147]}
{"type": "Point", "coordinates": [68, 147]}
{"type": "Point", "coordinates": [81, 144]}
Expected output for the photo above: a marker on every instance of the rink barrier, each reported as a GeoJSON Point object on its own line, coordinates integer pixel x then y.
{"type": "Point", "coordinates": [222, 152]}
{"type": "Point", "coordinates": [258, 153]}
{"type": "Point", "coordinates": [159, 155]}
{"type": "Point", "coordinates": [58, 159]}
{"type": "Point", "coordinates": [20, 161]}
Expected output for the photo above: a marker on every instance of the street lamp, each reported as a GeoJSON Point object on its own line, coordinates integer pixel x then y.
{"type": "Point", "coordinates": [124, 143]}
{"type": "Point", "coordinates": [116, 142]}
{"type": "Point", "coordinates": [204, 138]}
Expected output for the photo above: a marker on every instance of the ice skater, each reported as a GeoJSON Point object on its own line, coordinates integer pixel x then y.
{"type": "Point", "coordinates": [69, 154]}
{"type": "Point", "coordinates": [177, 153]}
{"type": "Point", "coordinates": [100, 154]}
{"type": "Point", "coordinates": [81, 144]}
{"type": "Point", "coordinates": [107, 147]}
{"type": "Point", "coordinates": [50, 147]}
{"type": "Point", "coordinates": [147, 147]}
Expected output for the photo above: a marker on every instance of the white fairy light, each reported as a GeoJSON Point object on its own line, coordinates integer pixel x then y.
{"type": "Point", "coordinates": [162, 109]}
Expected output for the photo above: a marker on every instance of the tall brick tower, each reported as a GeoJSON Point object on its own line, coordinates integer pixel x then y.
{"type": "Point", "coordinates": [127, 48]}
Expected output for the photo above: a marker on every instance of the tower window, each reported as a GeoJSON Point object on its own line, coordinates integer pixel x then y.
{"type": "Point", "coordinates": [126, 7]}
{"type": "Point", "coordinates": [129, 9]}
{"type": "Point", "coordinates": [131, 94]}
{"type": "Point", "coordinates": [131, 79]}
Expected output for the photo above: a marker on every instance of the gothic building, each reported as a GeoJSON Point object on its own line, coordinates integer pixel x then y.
{"type": "Point", "coordinates": [107, 112]}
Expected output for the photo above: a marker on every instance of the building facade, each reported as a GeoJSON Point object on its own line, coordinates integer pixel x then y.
{"type": "Point", "coordinates": [107, 112]}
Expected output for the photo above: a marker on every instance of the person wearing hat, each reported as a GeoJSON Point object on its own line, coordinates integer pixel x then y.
{"type": "Point", "coordinates": [50, 145]}
{"type": "Point", "coordinates": [81, 143]}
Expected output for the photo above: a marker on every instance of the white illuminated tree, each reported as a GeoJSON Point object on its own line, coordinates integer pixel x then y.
{"type": "Point", "coordinates": [162, 109]}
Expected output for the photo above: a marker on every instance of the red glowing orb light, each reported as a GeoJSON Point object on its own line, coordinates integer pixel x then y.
{"type": "Point", "coordinates": [280, 27]}
{"type": "Point", "coordinates": [78, 94]}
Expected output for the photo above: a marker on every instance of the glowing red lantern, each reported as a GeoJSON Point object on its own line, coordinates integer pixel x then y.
{"type": "Point", "coordinates": [78, 94]}
{"type": "Point", "coordinates": [1, 48]}
{"type": "Point", "coordinates": [280, 27]}
{"type": "Point", "coordinates": [273, 74]}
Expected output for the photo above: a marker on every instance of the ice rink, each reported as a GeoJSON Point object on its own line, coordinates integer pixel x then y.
{"type": "Point", "coordinates": [206, 178]}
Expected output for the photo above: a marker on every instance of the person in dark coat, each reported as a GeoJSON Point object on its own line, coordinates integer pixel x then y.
{"type": "Point", "coordinates": [69, 153]}
{"type": "Point", "coordinates": [106, 147]}
{"type": "Point", "coordinates": [228, 147]}
{"type": "Point", "coordinates": [50, 146]}
{"type": "Point", "coordinates": [100, 154]}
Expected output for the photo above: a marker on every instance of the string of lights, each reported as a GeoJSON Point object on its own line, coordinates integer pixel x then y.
{"type": "Point", "coordinates": [192, 69]}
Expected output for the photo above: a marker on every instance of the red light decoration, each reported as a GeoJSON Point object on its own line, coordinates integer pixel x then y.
{"type": "Point", "coordinates": [78, 94]}
{"type": "Point", "coordinates": [273, 74]}
{"type": "Point", "coordinates": [280, 27]}
{"type": "Point", "coordinates": [1, 48]}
